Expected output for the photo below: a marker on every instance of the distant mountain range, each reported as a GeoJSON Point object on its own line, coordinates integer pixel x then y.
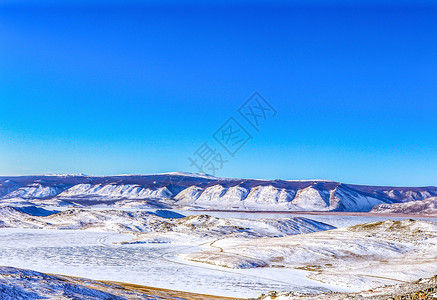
{"type": "Point", "coordinates": [199, 191]}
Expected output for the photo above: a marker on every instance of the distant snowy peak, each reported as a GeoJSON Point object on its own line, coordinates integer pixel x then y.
{"type": "Point", "coordinates": [427, 206]}
{"type": "Point", "coordinates": [345, 198]}
{"type": "Point", "coordinates": [66, 175]}
{"type": "Point", "coordinates": [193, 175]}
{"type": "Point", "coordinates": [7, 186]}
{"type": "Point", "coordinates": [271, 198]}
{"type": "Point", "coordinates": [236, 197]}
{"type": "Point", "coordinates": [129, 191]}
{"type": "Point", "coordinates": [35, 190]}
{"type": "Point", "coordinates": [409, 195]}
{"type": "Point", "coordinates": [312, 199]}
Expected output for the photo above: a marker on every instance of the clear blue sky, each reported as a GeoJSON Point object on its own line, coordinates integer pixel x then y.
{"type": "Point", "coordinates": [113, 88]}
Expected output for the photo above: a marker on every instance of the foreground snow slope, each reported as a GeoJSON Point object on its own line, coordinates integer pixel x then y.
{"type": "Point", "coordinates": [202, 192]}
{"type": "Point", "coordinates": [21, 284]}
{"type": "Point", "coordinates": [361, 256]}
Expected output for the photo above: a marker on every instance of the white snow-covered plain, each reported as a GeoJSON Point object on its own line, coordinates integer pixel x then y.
{"type": "Point", "coordinates": [93, 255]}
{"type": "Point", "coordinates": [182, 254]}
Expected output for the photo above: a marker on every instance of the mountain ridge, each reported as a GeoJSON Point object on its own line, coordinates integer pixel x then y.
{"type": "Point", "coordinates": [202, 191]}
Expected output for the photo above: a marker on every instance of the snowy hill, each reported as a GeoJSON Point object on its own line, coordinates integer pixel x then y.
{"type": "Point", "coordinates": [160, 221]}
{"type": "Point", "coordinates": [427, 206]}
{"type": "Point", "coordinates": [200, 191]}
{"type": "Point", "coordinates": [21, 284]}
{"type": "Point", "coordinates": [362, 256]}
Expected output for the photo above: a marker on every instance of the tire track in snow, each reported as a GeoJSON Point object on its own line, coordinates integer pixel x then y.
{"type": "Point", "coordinates": [164, 256]}
{"type": "Point", "coordinates": [205, 266]}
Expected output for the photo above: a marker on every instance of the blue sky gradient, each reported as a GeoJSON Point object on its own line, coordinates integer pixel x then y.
{"type": "Point", "coordinates": [114, 88]}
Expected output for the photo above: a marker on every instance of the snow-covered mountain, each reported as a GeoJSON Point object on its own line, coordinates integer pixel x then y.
{"type": "Point", "coordinates": [130, 191]}
{"type": "Point", "coordinates": [427, 206]}
{"type": "Point", "coordinates": [200, 191]}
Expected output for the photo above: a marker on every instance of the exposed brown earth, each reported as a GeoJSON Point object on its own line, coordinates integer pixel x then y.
{"type": "Point", "coordinates": [169, 294]}
{"type": "Point", "coordinates": [23, 284]}
{"type": "Point", "coordinates": [419, 290]}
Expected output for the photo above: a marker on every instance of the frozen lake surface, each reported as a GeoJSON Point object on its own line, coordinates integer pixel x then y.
{"type": "Point", "coordinates": [92, 255]}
